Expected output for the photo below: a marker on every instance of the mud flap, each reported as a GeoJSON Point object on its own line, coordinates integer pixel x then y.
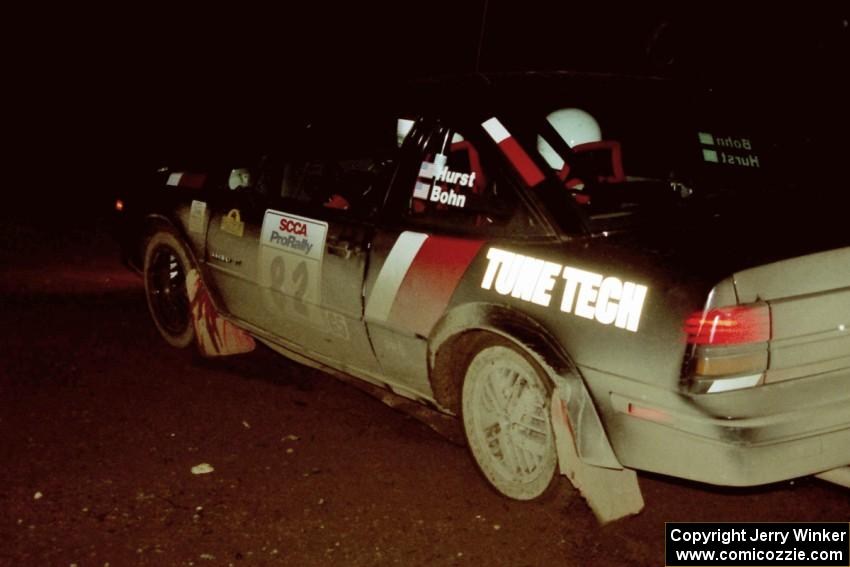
{"type": "Point", "coordinates": [214, 335]}
{"type": "Point", "coordinates": [611, 493]}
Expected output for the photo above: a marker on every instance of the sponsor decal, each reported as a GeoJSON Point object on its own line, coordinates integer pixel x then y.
{"type": "Point", "coordinates": [299, 235]}
{"type": "Point", "coordinates": [427, 189]}
{"type": "Point", "coordinates": [418, 279]}
{"type": "Point", "coordinates": [198, 217]}
{"type": "Point", "coordinates": [291, 253]}
{"type": "Point", "coordinates": [290, 273]}
{"type": "Point", "coordinates": [607, 300]}
{"type": "Point", "coordinates": [232, 223]}
{"type": "Point", "coordinates": [727, 150]}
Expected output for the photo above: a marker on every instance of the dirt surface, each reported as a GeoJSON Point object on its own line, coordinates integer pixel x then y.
{"type": "Point", "coordinates": [101, 424]}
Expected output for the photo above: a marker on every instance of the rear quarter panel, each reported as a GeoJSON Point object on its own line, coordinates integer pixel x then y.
{"type": "Point", "coordinates": [651, 354]}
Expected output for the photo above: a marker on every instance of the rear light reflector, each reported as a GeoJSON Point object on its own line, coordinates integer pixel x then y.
{"type": "Point", "coordinates": [650, 414]}
{"type": "Point", "coordinates": [119, 205]}
{"type": "Point", "coordinates": [739, 383]}
{"type": "Point", "coordinates": [728, 364]}
{"type": "Point", "coordinates": [734, 325]}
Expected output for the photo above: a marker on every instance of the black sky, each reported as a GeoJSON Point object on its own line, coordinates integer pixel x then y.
{"type": "Point", "coordinates": [113, 90]}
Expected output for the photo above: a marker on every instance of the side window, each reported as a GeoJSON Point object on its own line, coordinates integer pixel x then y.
{"type": "Point", "coordinates": [458, 187]}
{"type": "Point", "coordinates": [342, 165]}
{"type": "Point", "coordinates": [237, 185]}
{"type": "Point", "coordinates": [354, 185]}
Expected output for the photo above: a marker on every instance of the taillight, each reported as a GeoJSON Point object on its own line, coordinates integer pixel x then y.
{"type": "Point", "coordinates": [730, 348]}
{"type": "Point", "coordinates": [735, 325]}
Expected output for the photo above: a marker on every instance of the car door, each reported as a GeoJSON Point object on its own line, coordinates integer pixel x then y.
{"type": "Point", "coordinates": [231, 256]}
{"type": "Point", "coordinates": [448, 199]}
{"type": "Point", "coordinates": [310, 247]}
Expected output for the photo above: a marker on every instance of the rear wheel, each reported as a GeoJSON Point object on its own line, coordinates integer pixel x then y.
{"type": "Point", "coordinates": [507, 421]}
{"type": "Point", "coordinates": [166, 266]}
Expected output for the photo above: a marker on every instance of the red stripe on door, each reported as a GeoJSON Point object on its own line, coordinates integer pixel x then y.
{"type": "Point", "coordinates": [430, 282]}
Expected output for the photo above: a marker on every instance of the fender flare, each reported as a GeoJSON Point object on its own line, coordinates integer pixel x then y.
{"type": "Point", "coordinates": [589, 436]}
{"type": "Point", "coordinates": [153, 220]}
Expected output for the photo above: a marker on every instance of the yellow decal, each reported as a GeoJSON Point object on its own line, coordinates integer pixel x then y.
{"type": "Point", "coordinates": [232, 223]}
{"type": "Point", "coordinates": [586, 294]}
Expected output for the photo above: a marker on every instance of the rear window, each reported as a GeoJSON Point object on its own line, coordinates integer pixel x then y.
{"type": "Point", "coordinates": [625, 151]}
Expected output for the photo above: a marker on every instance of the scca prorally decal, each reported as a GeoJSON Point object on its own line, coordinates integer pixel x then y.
{"type": "Point", "coordinates": [291, 256]}
{"type": "Point", "coordinates": [608, 300]}
{"type": "Point", "coordinates": [294, 234]}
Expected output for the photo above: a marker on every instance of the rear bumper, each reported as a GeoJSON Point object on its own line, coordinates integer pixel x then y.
{"type": "Point", "coordinates": [681, 436]}
{"type": "Point", "coordinates": [840, 476]}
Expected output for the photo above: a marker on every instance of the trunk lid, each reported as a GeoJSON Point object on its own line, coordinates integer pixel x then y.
{"type": "Point", "coordinates": [793, 256]}
{"type": "Point", "coordinates": [809, 298]}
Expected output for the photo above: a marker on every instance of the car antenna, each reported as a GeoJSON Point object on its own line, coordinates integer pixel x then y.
{"type": "Point", "coordinates": [481, 37]}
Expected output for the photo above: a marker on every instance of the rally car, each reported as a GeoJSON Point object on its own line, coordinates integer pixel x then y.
{"type": "Point", "coordinates": [597, 275]}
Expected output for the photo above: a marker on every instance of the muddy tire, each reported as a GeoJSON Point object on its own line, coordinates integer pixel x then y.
{"type": "Point", "coordinates": [507, 420]}
{"type": "Point", "coordinates": [166, 265]}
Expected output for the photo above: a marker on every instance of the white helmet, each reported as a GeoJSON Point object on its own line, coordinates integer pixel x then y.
{"type": "Point", "coordinates": [575, 127]}
{"type": "Point", "coordinates": [239, 177]}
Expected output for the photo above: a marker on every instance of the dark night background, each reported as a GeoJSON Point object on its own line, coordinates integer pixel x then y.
{"type": "Point", "coordinates": [101, 95]}
{"type": "Point", "coordinates": [101, 422]}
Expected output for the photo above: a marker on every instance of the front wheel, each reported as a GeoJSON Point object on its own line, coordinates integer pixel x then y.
{"type": "Point", "coordinates": [166, 267]}
{"type": "Point", "coordinates": [506, 416]}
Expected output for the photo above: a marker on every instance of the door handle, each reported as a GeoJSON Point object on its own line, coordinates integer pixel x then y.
{"type": "Point", "coordinates": [343, 249]}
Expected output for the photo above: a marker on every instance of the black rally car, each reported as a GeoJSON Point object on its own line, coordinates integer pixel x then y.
{"type": "Point", "coordinates": [595, 273]}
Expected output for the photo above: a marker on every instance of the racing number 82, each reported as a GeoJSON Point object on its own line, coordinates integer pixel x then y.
{"type": "Point", "coordinates": [299, 281]}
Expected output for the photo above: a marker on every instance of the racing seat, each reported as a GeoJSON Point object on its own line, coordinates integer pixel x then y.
{"type": "Point", "coordinates": [604, 157]}
{"type": "Point", "coordinates": [474, 161]}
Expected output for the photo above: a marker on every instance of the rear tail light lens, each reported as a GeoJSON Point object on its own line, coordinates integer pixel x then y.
{"type": "Point", "coordinates": [727, 364]}
{"type": "Point", "coordinates": [735, 325]}
{"type": "Point", "coordinates": [730, 348]}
